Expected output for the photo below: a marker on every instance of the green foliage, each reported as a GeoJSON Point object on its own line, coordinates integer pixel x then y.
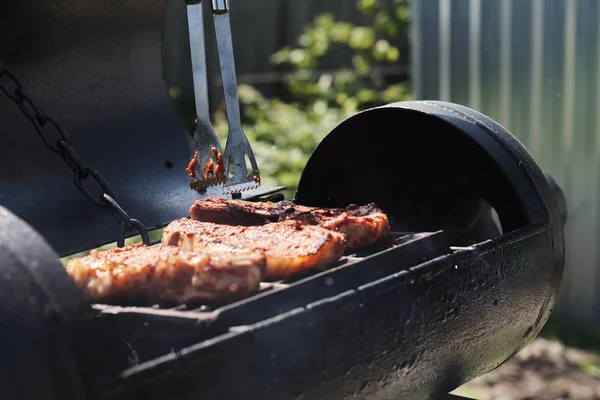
{"type": "Point", "coordinates": [357, 85]}
{"type": "Point", "coordinates": [283, 134]}
{"type": "Point", "coordinates": [590, 368]}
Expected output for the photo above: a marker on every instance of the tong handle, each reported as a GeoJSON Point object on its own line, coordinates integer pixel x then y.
{"type": "Point", "coordinates": [226, 57]}
{"type": "Point", "coordinates": [220, 6]}
{"type": "Point", "coordinates": [198, 54]}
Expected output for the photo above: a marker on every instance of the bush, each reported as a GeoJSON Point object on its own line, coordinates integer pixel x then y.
{"type": "Point", "coordinates": [283, 134]}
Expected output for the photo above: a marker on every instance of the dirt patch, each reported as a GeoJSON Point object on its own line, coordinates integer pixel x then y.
{"type": "Point", "coordinates": [544, 370]}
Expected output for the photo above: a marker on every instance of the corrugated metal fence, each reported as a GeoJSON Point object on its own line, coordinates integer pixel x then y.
{"type": "Point", "coordinates": [533, 66]}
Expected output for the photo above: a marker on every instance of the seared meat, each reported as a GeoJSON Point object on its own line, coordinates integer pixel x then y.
{"type": "Point", "coordinates": [289, 246]}
{"type": "Point", "coordinates": [167, 274]}
{"type": "Point", "coordinates": [363, 225]}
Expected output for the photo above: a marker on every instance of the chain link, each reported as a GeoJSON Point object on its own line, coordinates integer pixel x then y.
{"type": "Point", "coordinates": [44, 125]}
{"type": "Point", "coordinates": [127, 224]}
{"type": "Point", "coordinates": [26, 104]}
{"type": "Point", "coordinates": [57, 139]}
{"type": "Point", "coordinates": [71, 158]}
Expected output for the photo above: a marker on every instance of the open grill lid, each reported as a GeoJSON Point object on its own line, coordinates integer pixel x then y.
{"type": "Point", "coordinates": [96, 68]}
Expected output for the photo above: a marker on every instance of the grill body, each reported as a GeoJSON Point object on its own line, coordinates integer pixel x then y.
{"type": "Point", "coordinates": [438, 321]}
{"type": "Point", "coordinates": [421, 331]}
{"type": "Point", "coordinates": [394, 324]}
{"type": "Point", "coordinates": [403, 323]}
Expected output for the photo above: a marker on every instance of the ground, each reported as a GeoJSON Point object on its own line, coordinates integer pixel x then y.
{"type": "Point", "coordinates": [544, 370]}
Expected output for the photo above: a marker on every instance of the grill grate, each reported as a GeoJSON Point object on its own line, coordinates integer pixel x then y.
{"type": "Point", "coordinates": [157, 330]}
{"type": "Point", "coordinates": [392, 240]}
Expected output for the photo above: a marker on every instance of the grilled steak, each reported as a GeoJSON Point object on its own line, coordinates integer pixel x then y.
{"type": "Point", "coordinates": [363, 225]}
{"type": "Point", "coordinates": [167, 274]}
{"type": "Point", "coordinates": [289, 246]}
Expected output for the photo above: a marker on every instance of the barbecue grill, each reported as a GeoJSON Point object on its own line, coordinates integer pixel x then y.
{"type": "Point", "coordinates": [467, 277]}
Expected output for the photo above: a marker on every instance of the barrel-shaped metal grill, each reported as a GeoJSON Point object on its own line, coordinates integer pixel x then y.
{"type": "Point", "coordinates": [467, 277]}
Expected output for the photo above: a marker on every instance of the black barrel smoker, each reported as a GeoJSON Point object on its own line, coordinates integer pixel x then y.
{"type": "Point", "coordinates": [468, 277]}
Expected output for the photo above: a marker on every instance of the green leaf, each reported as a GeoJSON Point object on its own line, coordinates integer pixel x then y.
{"type": "Point", "coordinates": [366, 7]}
{"type": "Point", "coordinates": [281, 56]}
{"type": "Point", "coordinates": [590, 368]}
{"type": "Point", "coordinates": [325, 20]}
{"type": "Point", "coordinates": [321, 43]}
{"type": "Point", "coordinates": [320, 107]}
{"type": "Point", "coordinates": [402, 11]}
{"type": "Point", "coordinates": [384, 22]}
{"type": "Point", "coordinates": [350, 106]}
{"type": "Point", "coordinates": [393, 54]}
{"type": "Point", "coordinates": [381, 49]}
{"type": "Point", "coordinates": [341, 32]}
{"type": "Point", "coordinates": [394, 93]}
{"type": "Point", "coordinates": [297, 56]}
{"type": "Point", "coordinates": [362, 37]}
{"type": "Point", "coordinates": [361, 64]}
{"type": "Point", "coordinates": [366, 96]}
{"type": "Point", "coordinates": [325, 82]}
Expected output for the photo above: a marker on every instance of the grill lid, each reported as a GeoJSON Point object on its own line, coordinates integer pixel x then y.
{"type": "Point", "coordinates": [106, 88]}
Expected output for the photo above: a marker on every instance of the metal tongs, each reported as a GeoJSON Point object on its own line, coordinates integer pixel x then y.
{"type": "Point", "coordinates": [229, 170]}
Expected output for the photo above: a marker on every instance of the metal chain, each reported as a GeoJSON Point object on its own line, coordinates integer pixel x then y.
{"type": "Point", "coordinates": [57, 139]}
